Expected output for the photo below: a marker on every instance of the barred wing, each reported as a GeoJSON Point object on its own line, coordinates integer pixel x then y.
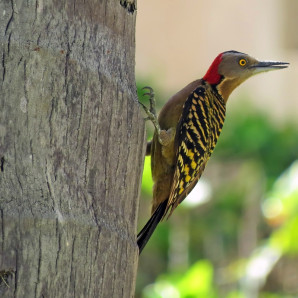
{"type": "Point", "coordinates": [197, 133]}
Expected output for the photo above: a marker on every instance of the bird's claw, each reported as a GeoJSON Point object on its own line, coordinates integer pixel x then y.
{"type": "Point", "coordinates": [150, 94]}
{"type": "Point", "coordinates": [151, 112]}
{"type": "Point", "coordinates": [151, 91]}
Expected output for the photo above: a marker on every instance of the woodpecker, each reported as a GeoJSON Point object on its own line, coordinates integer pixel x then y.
{"type": "Point", "coordinates": [187, 129]}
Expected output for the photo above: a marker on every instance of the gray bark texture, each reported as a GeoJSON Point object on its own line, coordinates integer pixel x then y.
{"type": "Point", "coordinates": [71, 149]}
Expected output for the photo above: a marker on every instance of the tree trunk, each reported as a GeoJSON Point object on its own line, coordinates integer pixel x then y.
{"type": "Point", "coordinates": [71, 149]}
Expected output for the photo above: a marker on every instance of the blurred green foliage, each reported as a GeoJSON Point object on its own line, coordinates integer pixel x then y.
{"type": "Point", "coordinates": [196, 282]}
{"type": "Point", "coordinates": [147, 182]}
{"type": "Point", "coordinates": [253, 205]}
{"type": "Point", "coordinates": [285, 194]}
{"type": "Point", "coordinates": [254, 134]}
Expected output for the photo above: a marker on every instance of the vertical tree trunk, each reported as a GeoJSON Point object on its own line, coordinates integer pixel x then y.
{"type": "Point", "coordinates": [71, 150]}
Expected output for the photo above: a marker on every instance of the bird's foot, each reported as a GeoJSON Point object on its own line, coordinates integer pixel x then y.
{"type": "Point", "coordinates": [151, 113]}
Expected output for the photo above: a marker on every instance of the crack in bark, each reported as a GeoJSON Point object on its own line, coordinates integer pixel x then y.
{"type": "Point", "coordinates": [26, 94]}
{"type": "Point", "coordinates": [25, 81]}
{"type": "Point", "coordinates": [71, 267]}
{"type": "Point", "coordinates": [50, 188]}
{"type": "Point", "coordinates": [66, 72]}
{"type": "Point", "coordinates": [2, 229]}
{"type": "Point", "coordinates": [21, 59]}
{"type": "Point", "coordinates": [107, 156]}
{"type": "Point", "coordinates": [16, 273]}
{"type": "Point", "coordinates": [10, 20]}
{"type": "Point", "coordinates": [38, 39]}
{"type": "Point", "coordinates": [16, 171]}
{"type": "Point", "coordinates": [36, 8]}
{"type": "Point", "coordinates": [8, 43]}
{"type": "Point", "coordinates": [88, 154]}
{"type": "Point", "coordinates": [3, 57]}
{"type": "Point", "coordinates": [3, 67]}
{"type": "Point", "coordinates": [2, 160]}
{"type": "Point", "coordinates": [80, 115]}
{"type": "Point", "coordinates": [39, 264]}
{"type": "Point", "coordinates": [58, 235]}
{"type": "Point", "coordinates": [83, 44]}
{"type": "Point", "coordinates": [31, 151]}
{"type": "Point", "coordinates": [94, 215]}
{"type": "Point", "coordinates": [50, 120]}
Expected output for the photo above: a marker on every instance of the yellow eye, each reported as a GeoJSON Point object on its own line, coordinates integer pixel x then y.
{"type": "Point", "coordinates": [242, 62]}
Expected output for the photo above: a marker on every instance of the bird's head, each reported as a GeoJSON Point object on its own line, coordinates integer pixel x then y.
{"type": "Point", "coordinates": [231, 68]}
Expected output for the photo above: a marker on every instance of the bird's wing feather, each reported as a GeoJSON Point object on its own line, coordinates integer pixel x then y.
{"type": "Point", "coordinates": [196, 137]}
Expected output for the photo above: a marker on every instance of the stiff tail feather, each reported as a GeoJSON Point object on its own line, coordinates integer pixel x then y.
{"type": "Point", "coordinates": [150, 226]}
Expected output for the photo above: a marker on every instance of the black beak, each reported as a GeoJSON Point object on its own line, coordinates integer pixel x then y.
{"type": "Point", "coordinates": [269, 65]}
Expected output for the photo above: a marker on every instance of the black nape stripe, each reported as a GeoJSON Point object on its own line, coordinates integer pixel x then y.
{"type": "Point", "coordinates": [233, 52]}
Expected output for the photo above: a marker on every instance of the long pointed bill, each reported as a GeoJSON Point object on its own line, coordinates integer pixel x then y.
{"type": "Point", "coordinates": [268, 66]}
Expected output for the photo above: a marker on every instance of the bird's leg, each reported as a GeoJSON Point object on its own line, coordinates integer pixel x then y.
{"type": "Point", "coordinates": [151, 113]}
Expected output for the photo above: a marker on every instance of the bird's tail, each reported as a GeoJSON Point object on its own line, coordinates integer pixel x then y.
{"type": "Point", "coordinates": [150, 226]}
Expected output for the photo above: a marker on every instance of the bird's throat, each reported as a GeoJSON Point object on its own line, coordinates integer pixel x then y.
{"type": "Point", "coordinates": [226, 87]}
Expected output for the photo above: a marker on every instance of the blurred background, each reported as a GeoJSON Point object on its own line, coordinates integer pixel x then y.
{"type": "Point", "coordinates": [236, 235]}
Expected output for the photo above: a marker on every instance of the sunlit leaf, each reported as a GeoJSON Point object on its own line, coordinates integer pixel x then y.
{"type": "Point", "coordinates": [147, 182]}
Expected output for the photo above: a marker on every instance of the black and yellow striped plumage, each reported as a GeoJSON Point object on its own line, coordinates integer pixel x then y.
{"type": "Point", "coordinates": [187, 130]}
{"type": "Point", "coordinates": [197, 133]}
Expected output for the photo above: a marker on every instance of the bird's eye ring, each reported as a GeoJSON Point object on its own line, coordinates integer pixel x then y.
{"type": "Point", "coordinates": [242, 62]}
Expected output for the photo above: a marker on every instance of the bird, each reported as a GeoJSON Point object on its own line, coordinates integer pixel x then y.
{"type": "Point", "coordinates": [187, 129]}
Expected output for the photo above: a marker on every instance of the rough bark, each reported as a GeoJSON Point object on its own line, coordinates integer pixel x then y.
{"type": "Point", "coordinates": [71, 152]}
